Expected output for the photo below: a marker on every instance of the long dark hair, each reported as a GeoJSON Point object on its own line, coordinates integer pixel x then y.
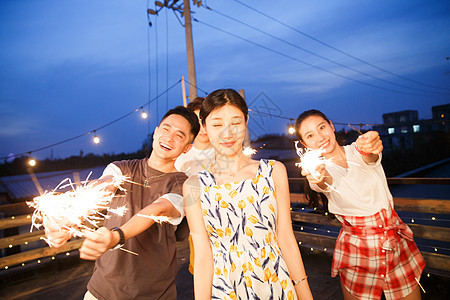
{"type": "Point", "coordinates": [314, 198]}
{"type": "Point", "coordinates": [220, 98]}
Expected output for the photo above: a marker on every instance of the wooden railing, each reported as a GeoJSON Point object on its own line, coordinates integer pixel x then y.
{"type": "Point", "coordinates": [435, 261]}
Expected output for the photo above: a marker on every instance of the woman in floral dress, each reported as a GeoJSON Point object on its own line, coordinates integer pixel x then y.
{"type": "Point", "coordinates": [239, 216]}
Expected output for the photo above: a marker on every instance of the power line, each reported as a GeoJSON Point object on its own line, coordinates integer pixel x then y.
{"type": "Point", "coordinates": [96, 129]}
{"type": "Point", "coordinates": [323, 57]}
{"type": "Point", "coordinates": [338, 50]}
{"type": "Point", "coordinates": [304, 62]}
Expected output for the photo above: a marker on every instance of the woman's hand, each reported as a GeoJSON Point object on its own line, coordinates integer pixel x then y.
{"type": "Point", "coordinates": [370, 143]}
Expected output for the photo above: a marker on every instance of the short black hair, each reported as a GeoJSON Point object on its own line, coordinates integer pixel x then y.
{"type": "Point", "coordinates": [189, 115]}
{"type": "Point", "coordinates": [196, 104]}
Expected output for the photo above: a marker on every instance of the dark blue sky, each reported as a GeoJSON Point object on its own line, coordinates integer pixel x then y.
{"type": "Point", "coordinates": [68, 67]}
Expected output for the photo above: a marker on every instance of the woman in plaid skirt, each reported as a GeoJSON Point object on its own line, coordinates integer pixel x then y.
{"type": "Point", "coordinates": [374, 251]}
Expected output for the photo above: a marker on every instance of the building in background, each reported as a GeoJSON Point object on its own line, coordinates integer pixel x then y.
{"type": "Point", "coordinates": [399, 129]}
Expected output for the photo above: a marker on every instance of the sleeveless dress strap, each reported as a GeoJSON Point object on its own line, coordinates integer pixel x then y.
{"type": "Point", "coordinates": [206, 178]}
{"type": "Point", "coordinates": [266, 167]}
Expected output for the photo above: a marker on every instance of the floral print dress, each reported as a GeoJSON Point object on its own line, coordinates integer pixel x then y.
{"type": "Point", "coordinates": [241, 220]}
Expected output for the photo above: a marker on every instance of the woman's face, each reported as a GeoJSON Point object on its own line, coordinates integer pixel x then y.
{"type": "Point", "coordinates": [317, 133]}
{"type": "Point", "coordinates": [226, 129]}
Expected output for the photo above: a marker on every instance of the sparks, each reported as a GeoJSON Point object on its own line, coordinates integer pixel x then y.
{"type": "Point", "coordinates": [77, 209]}
{"type": "Point", "coordinates": [248, 151]}
{"type": "Point", "coordinates": [157, 219]}
{"type": "Point", "coordinates": [310, 159]}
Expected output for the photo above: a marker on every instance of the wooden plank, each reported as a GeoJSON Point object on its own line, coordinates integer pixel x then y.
{"type": "Point", "coordinates": [21, 239]}
{"type": "Point", "coordinates": [321, 241]}
{"type": "Point", "coordinates": [437, 261]}
{"type": "Point", "coordinates": [430, 232]}
{"type": "Point", "coordinates": [405, 180]}
{"type": "Point", "coordinates": [19, 258]}
{"type": "Point", "coordinates": [314, 218]}
{"type": "Point", "coordinates": [410, 180]}
{"type": "Point", "coordinates": [432, 206]}
{"type": "Point", "coordinates": [15, 221]}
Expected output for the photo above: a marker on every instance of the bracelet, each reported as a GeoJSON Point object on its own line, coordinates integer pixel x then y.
{"type": "Point", "coordinates": [295, 282]}
{"type": "Point", "coordinates": [360, 151]}
{"type": "Point", "coordinates": [121, 238]}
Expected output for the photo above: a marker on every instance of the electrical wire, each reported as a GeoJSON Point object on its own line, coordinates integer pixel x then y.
{"type": "Point", "coordinates": [338, 50]}
{"type": "Point", "coordinates": [96, 129]}
{"type": "Point", "coordinates": [323, 57]}
{"type": "Point", "coordinates": [304, 62]}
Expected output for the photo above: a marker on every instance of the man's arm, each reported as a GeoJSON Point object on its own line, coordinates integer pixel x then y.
{"type": "Point", "coordinates": [98, 242]}
{"type": "Point", "coordinates": [57, 232]}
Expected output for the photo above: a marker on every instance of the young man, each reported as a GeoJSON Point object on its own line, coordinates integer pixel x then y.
{"type": "Point", "coordinates": [202, 154]}
{"type": "Point", "coordinates": [157, 191]}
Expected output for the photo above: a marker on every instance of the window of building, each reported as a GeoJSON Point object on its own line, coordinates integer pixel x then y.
{"type": "Point", "coordinates": [402, 119]}
{"type": "Point", "coordinates": [391, 130]}
{"type": "Point", "coordinates": [416, 128]}
{"type": "Point", "coordinates": [404, 130]}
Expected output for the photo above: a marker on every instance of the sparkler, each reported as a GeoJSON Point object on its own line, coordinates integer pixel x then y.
{"type": "Point", "coordinates": [310, 159]}
{"type": "Point", "coordinates": [157, 219]}
{"type": "Point", "coordinates": [71, 210]}
{"type": "Point", "coordinates": [248, 151]}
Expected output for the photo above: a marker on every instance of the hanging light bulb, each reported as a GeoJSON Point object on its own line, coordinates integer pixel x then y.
{"type": "Point", "coordinates": [31, 161]}
{"type": "Point", "coordinates": [291, 128]}
{"type": "Point", "coordinates": [96, 138]}
{"type": "Point", "coordinates": [143, 114]}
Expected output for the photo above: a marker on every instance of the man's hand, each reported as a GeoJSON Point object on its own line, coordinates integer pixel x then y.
{"type": "Point", "coordinates": [98, 242]}
{"type": "Point", "coordinates": [55, 234]}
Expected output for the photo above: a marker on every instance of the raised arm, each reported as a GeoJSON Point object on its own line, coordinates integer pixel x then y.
{"type": "Point", "coordinates": [369, 145]}
{"type": "Point", "coordinates": [286, 237]}
{"type": "Point", "coordinates": [203, 263]}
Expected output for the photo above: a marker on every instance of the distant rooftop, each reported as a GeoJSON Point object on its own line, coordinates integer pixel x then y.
{"type": "Point", "coordinates": [22, 187]}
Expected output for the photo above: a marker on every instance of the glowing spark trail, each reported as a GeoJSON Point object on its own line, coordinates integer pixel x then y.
{"type": "Point", "coordinates": [310, 159]}
{"type": "Point", "coordinates": [248, 151]}
{"type": "Point", "coordinates": [157, 219]}
{"type": "Point", "coordinates": [71, 210]}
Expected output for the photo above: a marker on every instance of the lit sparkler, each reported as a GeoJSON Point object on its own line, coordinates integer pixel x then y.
{"type": "Point", "coordinates": [310, 159]}
{"type": "Point", "coordinates": [157, 219]}
{"type": "Point", "coordinates": [71, 210]}
{"type": "Point", "coordinates": [248, 151]}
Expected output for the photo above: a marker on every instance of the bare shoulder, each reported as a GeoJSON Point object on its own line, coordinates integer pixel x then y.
{"type": "Point", "coordinates": [191, 191]}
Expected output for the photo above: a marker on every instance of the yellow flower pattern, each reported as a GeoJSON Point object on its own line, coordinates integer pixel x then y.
{"type": "Point", "coordinates": [241, 219]}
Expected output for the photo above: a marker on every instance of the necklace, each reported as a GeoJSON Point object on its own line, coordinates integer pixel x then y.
{"type": "Point", "coordinates": [147, 178]}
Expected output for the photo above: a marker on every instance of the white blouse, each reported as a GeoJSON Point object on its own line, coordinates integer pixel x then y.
{"type": "Point", "coordinates": [359, 190]}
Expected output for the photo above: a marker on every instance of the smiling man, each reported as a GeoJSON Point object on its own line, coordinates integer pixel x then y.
{"type": "Point", "coordinates": [156, 190]}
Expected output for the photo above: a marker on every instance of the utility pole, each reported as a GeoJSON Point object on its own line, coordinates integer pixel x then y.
{"type": "Point", "coordinates": [185, 11]}
{"type": "Point", "coordinates": [190, 51]}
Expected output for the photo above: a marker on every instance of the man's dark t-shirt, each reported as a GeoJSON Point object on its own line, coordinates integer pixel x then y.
{"type": "Point", "coordinates": [151, 274]}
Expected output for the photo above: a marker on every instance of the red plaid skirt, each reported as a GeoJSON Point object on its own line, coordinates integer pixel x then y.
{"type": "Point", "coordinates": [376, 254]}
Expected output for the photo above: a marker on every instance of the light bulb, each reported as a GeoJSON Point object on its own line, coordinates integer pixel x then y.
{"type": "Point", "coordinates": [144, 115]}
{"type": "Point", "coordinates": [291, 129]}
{"type": "Point", "coordinates": [96, 139]}
{"type": "Point", "coordinates": [32, 162]}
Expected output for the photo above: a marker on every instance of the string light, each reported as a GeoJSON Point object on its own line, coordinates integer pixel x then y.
{"type": "Point", "coordinates": [96, 138]}
{"type": "Point", "coordinates": [291, 129]}
{"type": "Point", "coordinates": [31, 161]}
{"type": "Point", "coordinates": [144, 115]}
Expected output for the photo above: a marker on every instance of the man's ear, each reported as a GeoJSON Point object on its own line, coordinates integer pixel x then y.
{"type": "Point", "coordinates": [188, 147]}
